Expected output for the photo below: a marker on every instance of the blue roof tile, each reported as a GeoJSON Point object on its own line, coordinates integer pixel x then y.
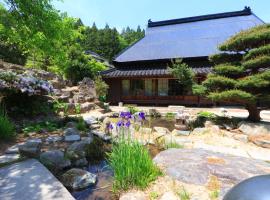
{"type": "Point", "coordinates": [187, 39]}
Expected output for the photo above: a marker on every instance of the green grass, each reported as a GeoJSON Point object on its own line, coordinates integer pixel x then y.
{"type": "Point", "coordinates": [174, 145]}
{"type": "Point", "coordinates": [153, 195]}
{"type": "Point", "coordinates": [184, 195]}
{"type": "Point", "coordinates": [170, 116]}
{"type": "Point", "coordinates": [132, 165]}
{"type": "Point", "coordinates": [214, 195]}
{"type": "Point", "coordinates": [7, 129]}
{"type": "Point", "coordinates": [81, 125]}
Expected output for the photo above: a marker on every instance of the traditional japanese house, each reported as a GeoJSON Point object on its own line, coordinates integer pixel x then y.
{"type": "Point", "coordinates": [140, 75]}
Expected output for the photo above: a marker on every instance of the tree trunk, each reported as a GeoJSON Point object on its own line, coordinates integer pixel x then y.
{"type": "Point", "coordinates": [254, 113]}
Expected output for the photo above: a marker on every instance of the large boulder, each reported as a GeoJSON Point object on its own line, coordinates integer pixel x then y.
{"type": "Point", "coordinates": [87, 88]}
{"type": "Point", "coordinates": [78, 179]}
{"type": "Point", "coordinates": [54, 160]}
{"type": "Point", "coordinates": [254, 128]}
{"type": "Point", "coordinates": [31, 148]}
{"type": "Point", "coordinates": [261, 140]}
{"type": "Point", "coordinates": [196, 166]}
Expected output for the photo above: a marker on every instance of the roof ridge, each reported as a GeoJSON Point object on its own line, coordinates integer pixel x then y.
{"type": "Point", "coordinates": [245, 11]}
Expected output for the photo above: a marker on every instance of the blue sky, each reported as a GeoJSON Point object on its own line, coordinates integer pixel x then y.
{"type": "Point", "coordinates": [122, 13]}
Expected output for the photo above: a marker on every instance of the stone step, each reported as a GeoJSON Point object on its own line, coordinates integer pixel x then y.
{"type": "Point", "coordinates": [30, 180]}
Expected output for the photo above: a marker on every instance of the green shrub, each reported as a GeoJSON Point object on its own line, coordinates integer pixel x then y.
{"type": "Point", "coordinates": [7, 129]}
{"type": "Point", "coordinates": [132, 165]}
{"type": "Point", "coordinates": [78, 109]}
{"type": "Point", "coordinates": [202, 117]}
{"type": "Point", "coordinates": [170, 115]}
{"type": "Point", "coordinates": [174, 145]}
{"type": "Point", "coordinates": [184, 195]}
{"type": "Point", "coordinates": [132, 109]}
{"type": "Point", "coordinates": [101, 88]}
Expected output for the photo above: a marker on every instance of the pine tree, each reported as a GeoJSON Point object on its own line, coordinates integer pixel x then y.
{"type": "Point", "coordinates": [241, 71]}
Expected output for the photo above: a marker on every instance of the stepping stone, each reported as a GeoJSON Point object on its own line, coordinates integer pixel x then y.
{"type": "Point", "coordinates": [30, 180]}
{"type": "Point", "coordinates": [180, 132]}
{"type": "Point", "coordinates": [13, 149]}
{"type": "Point", "coordinates": [54, 139]}
{"type": "Point", "coordinates": [78, 179]}
{"type": "Point", "coordinates": [7, 158]}
{"type": "Point", "coordinates": [90, 120]}
{"type": "Point", "coordinates": [31, 148]}
{"type": "Point", "coordinates": [72, 135]}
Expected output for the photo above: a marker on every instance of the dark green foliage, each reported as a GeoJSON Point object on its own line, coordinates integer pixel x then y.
{"type": "Point", "coordinates": [107, 42]}
{"type": "Point", "coordinates": [227, 69]}
{"type": "Point", "coordinates": [80, 65]}
{"type": "Point", "coordinates": [12, 54]}
{"type": "Point", "coordinates": [244, 81]}
{"type": "Point", "coordinates": [257, 63]}
{"type": "Point", "coordinates": [253, 53]}
{"type": "Point", "coordinates": [95, 151]}
{"type": "Point", "coordinates": [183, 73]}
{"type": "Point", "coordinates": [20, 104]}
{"type": "Point", "coordinates": [226, 58]}
{"type": "Point", "coordinates": [258, 82]}
{"type": "Point", "coordinates": [216, 82]}
{"type": "Point", "coordinates": [81, 125]}
{"type": "Point", "coordinates": [131, 36]}
{"type": "Point", "coordinates": [7, 129]}
{"type": "Point", "coordinates": [49, 126]}
{"type": "Point", "coordinates": [198, 89]}
{"type": "Point", "coordinates": [232, 95]}
{"type": "Point", "coordinates": [247, 40]}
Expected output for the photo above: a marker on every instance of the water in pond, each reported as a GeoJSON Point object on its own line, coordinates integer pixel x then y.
{"type": "Point", "coordinates": [103, 188]}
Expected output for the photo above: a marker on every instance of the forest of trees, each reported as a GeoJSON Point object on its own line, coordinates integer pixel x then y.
{"type": "Point", "coordinates": [108, 42]}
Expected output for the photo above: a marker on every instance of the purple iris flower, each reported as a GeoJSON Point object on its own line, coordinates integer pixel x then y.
{"type": "Point", "coordinates": [122, 114]}
{"type": "Point", "coordinates": [128, 124]}
{"type": "Point", "coordinates": [120, 123]}
{"type": "Point", "coordinates": [126, 115]}
{"type": "Point", "coordinates": [142, 115]}
{"type": "Point", "coordinates": [109, 126]}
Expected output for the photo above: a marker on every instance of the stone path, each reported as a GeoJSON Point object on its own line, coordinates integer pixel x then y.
{"type": "Point", "coordinates": [197, 166]}
{"type": "Point", "coordinates": [30, 180]}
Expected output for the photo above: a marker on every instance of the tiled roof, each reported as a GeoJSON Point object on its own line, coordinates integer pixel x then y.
{"type": "Point", "coordinates": [188, 37]}
{"type": "Point", "coordinates": [156, 72]}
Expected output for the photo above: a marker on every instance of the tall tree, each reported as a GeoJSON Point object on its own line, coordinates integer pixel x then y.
{"type": "Point", "coordinates": [241, 71]}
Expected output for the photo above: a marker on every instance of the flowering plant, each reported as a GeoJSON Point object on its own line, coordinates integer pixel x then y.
{"type": "Point", "coordinates": [25, 83]}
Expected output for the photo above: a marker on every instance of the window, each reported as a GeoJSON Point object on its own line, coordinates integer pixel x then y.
{"type": "Point", "coordinates": [148, 87]}
{"type": "Point", "coordinates": [162, 87]}
{"type": "Point", "coordinates": [137, 87]}
{"type": "Point", "coordinates": [125, 87]}
{"type": "Point", "coordinates": [175, 88]}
